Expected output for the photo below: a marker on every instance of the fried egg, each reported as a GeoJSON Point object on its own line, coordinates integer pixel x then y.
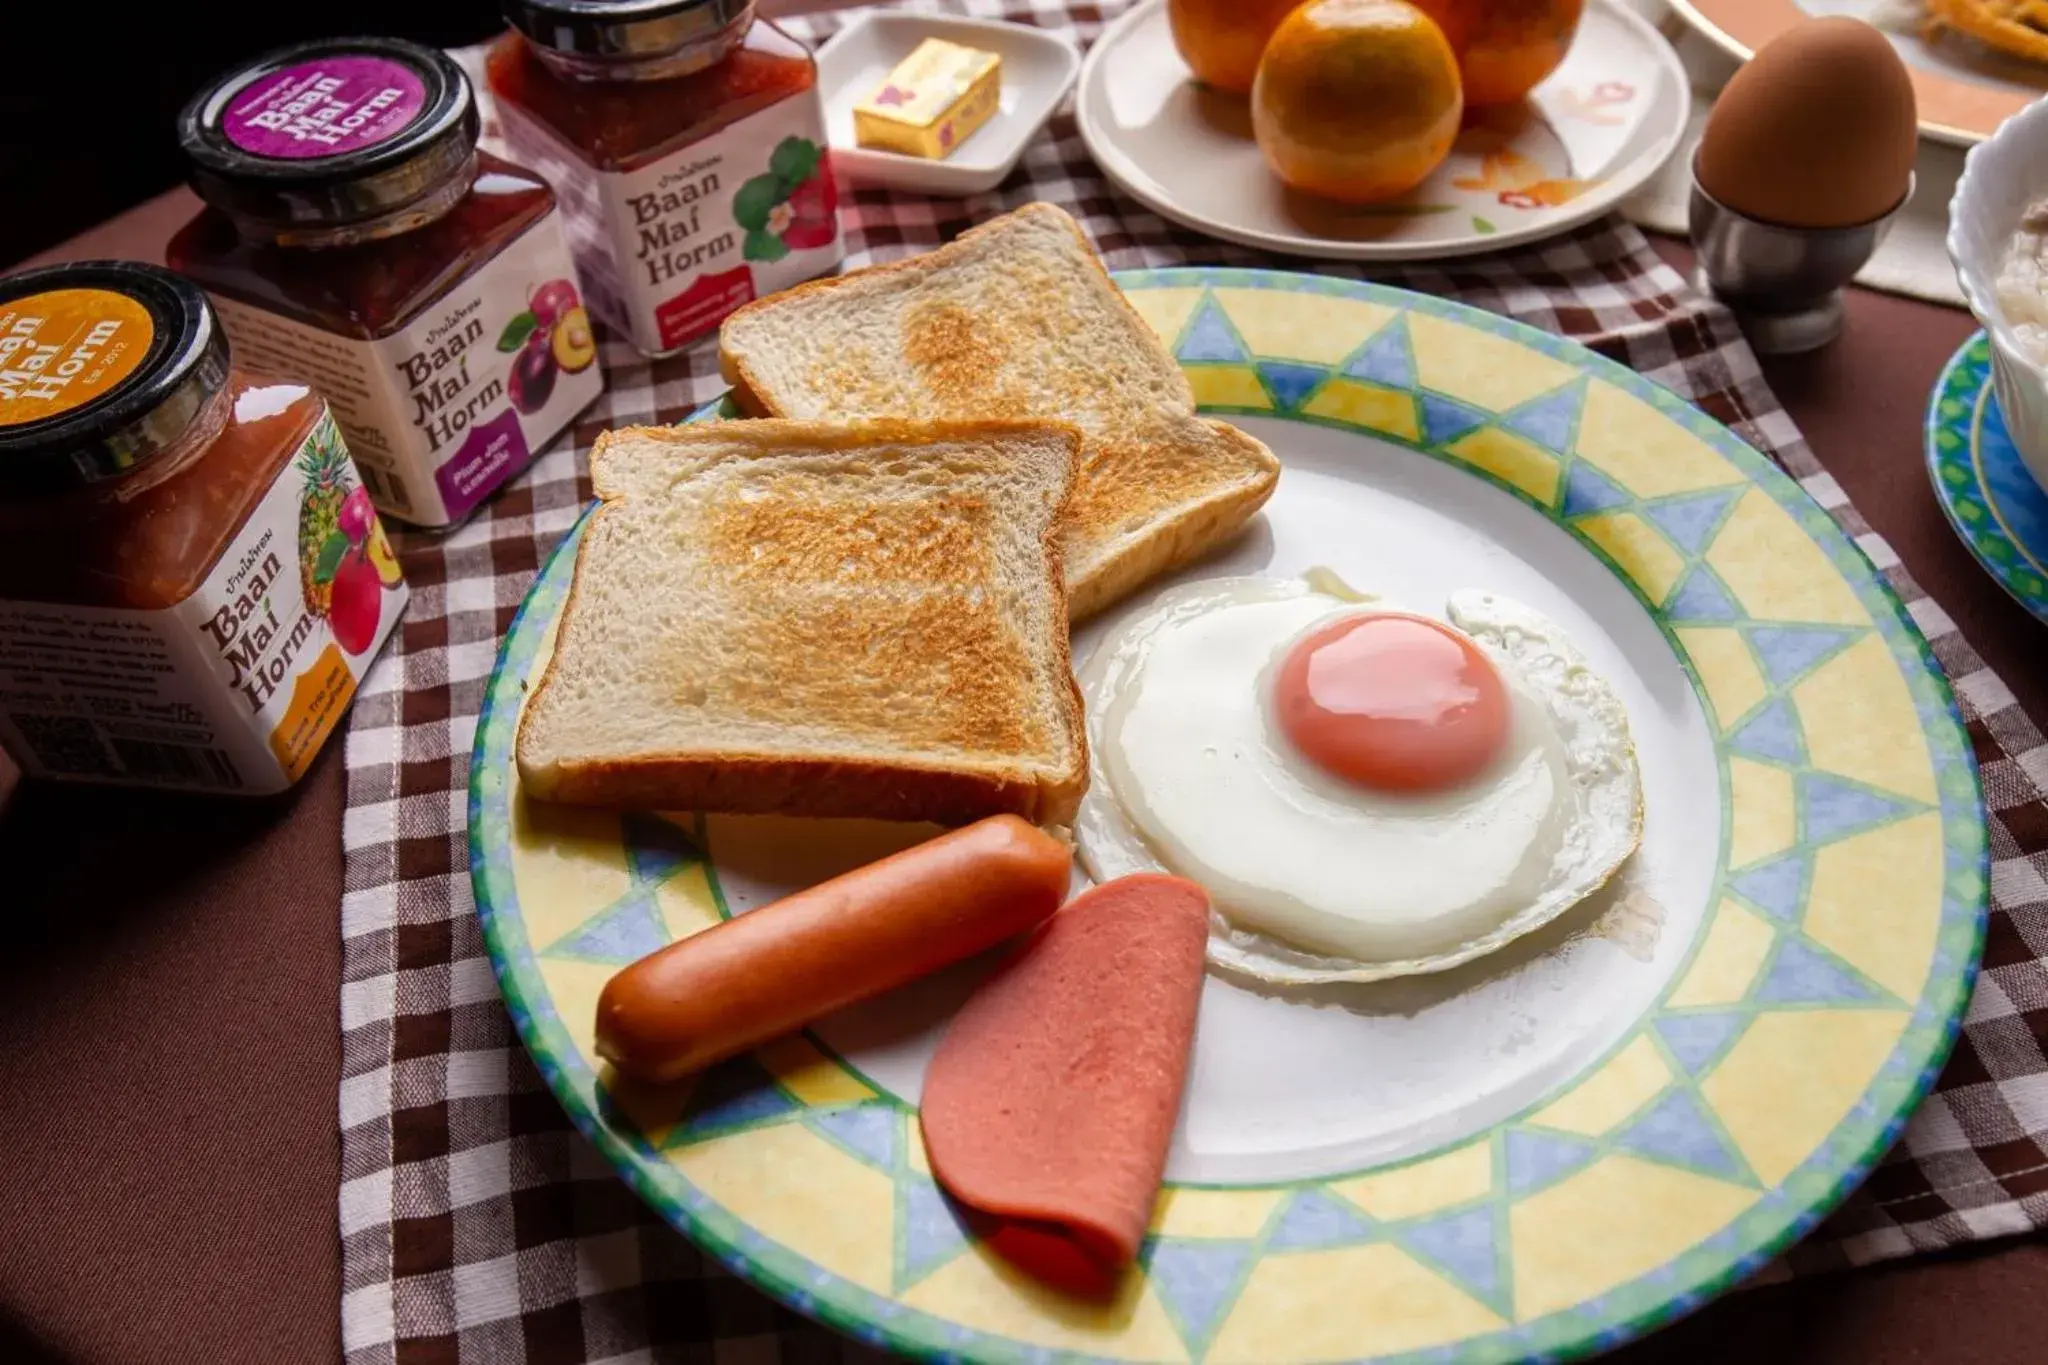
{"type": "Point", "coordinates": [1366, 792]}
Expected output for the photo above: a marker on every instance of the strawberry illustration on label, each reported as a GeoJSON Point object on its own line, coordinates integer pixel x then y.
{"type": "Point", "coordinates": [814, 207]}
{"type": "Point", "coordinates": [793, 207]}
{"type": "Point", "coordinates": [894, 94]}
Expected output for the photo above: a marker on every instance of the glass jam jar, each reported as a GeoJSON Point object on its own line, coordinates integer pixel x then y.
{"type": "Point", "coordinates": [687, 140]}
{"type": "Point", "coordinates": [192, 580]}
{"type": "Point", "coordinates": [355, 236]}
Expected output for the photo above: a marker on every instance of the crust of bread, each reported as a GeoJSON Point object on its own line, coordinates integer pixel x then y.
{"type": "Point", "coordinates": [1213, 502]}
{"type": "Point", "coordinates": [740, 782]}
{"type": "Point", "coordinates": [764, 784]}
{"type": "Point", "coordinates": [823, 435]}
{"type": "Point", "coordinates": [743, 395]}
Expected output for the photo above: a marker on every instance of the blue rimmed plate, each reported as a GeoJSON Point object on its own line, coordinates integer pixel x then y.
{"type": "Point", "coordinates": [1547, 1152]}
{"type": "Point", "coordinates": [1980, 481]}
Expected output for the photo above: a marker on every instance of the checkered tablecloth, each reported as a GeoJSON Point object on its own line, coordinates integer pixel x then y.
{"type": "Point", "coordinates": [478, 1226]}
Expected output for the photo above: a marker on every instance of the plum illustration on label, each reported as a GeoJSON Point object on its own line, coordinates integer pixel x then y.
{"type": "Point", "coordinates": [794, 206]}
{"type": "Point", "coordinates": [552, 334]}
{"type": "Point", "coordinates": [345, 563]}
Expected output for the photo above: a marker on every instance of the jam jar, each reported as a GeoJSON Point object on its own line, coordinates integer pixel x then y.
{"type": "Point", "coordinates": [192, 578]}
{"type": "Point", "coordinates": [355, 236]}
{"type": "Point", "coordinates": [687, 140]}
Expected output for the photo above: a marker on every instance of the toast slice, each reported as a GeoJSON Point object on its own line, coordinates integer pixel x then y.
{"type": "Point", "coordinates": [1017, 318]}
{"type": "Point", "coordinates": [864, 619]}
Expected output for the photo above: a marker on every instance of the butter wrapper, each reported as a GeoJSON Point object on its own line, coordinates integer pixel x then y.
{"type": "Point", "coordinates": [932, 102]}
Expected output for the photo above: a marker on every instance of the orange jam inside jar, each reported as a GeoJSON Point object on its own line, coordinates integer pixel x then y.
{"type": "Point", "coordinates": [354, 235]}
{"type": "Point", "coordinates": [192, 578]}
{"type": "Point", "coordinates": [687, 140]}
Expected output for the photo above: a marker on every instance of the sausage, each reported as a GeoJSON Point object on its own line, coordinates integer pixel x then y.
{"type": "Point", "coordinates": [772, 970]}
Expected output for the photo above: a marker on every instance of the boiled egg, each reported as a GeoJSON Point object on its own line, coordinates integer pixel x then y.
{"type": "Point", "coordinates": [1818, 130]}
{"type": "Point", "coordinates": [1365, 791]}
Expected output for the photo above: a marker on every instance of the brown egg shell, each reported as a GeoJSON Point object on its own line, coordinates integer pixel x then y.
{"type": "Point", "coordinates": [1818, 130]}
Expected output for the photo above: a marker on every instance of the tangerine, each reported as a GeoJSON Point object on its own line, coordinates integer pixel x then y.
{"type": "Point", "coordinates": [1505, 47]}
{"type": "Point", "coordinates": [1222, 39]}
{"type": "Point", "coordinates": [1356, 100]}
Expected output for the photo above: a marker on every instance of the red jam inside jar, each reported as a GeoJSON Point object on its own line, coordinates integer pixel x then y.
{"type": "Point", "coordinates": [353, 233]}
{"type": "Point", "coordinates": [687, 139]}
{"type": "Point", "coordinates": [192, 579]}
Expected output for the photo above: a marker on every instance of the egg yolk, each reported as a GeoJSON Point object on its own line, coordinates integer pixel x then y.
{"type": "Point", "coordinates": [1392, 701]}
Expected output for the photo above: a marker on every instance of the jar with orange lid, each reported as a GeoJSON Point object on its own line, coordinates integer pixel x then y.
{"type": "Point", "coordinates": [686, 139]}
{"type": "Point", "coordinates": [192, 578]}
{"type": "Point", "coordinates": [355, 236]}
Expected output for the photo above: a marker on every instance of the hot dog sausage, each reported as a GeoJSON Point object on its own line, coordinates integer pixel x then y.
{"type": "Point", "coordinates": [770, 971]}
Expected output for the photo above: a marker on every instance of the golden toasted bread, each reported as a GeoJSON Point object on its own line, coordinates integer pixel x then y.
{"type": "Point", "coordinates": [1017, 318]}
{"type": "Point", "coordinates": [847, 619]}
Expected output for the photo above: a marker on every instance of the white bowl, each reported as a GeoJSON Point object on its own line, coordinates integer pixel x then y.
{"type": "Point", "coordinates": [1038, 70]}
{"type": "Point", "coordinates": [2001, 176]}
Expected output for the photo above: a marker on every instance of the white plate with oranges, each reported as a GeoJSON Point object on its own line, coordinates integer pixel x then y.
{"type": "Point", "coordinates": [1377, 129]}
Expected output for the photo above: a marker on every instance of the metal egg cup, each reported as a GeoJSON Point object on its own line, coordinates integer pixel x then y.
{"type": "Point", "coordinates": [1784, 284]}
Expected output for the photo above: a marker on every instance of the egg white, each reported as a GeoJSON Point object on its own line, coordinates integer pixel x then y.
{"type": "Point", "coordinates": [1318, 879]}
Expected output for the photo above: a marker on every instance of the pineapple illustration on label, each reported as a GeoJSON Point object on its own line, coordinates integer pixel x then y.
{"type": "Point", "coordinates": [325, 466]}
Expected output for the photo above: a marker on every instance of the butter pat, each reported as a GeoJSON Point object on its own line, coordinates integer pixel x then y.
{"type": "Point", "coordinates": [932, 102]}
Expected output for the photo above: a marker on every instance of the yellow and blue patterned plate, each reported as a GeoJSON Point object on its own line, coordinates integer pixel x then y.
{"type": "Point", "coordinates": [1983, 486]}
{"type": "Point", "coordinates": [1545, 1153]}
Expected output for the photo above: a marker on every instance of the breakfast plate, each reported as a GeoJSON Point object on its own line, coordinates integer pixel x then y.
{"type": "Point", "coordinates": [1983, 486]}
{"type": "Point", "coordinates": [1546, 1151]}
{"type": "Point", "coordinates": [1963, 88]}
{"type": "Point", "coordinates": [1600, 126]}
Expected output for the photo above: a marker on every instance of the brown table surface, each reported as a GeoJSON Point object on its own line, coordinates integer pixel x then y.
{"type": "Point", "coordinates": [169, 991]}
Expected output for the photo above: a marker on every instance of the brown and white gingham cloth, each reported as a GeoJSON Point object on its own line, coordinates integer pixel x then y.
{"type": "Point", "coordinates": [478, 1226]}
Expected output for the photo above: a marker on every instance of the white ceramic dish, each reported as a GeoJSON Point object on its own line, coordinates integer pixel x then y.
{"type": "Point", "coordinates": [2001, 176]}
{"type": "Point", "coordinates": [1038, 70]}
{"type": "Point", "coordinates": [1600, 126]}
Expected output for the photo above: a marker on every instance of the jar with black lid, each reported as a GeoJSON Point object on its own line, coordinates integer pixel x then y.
{"type": "Point", "coordinates": [687, 140]}
{"type": "Point", "coordinates": [192, 578]}
{"type": "Point", "coordinates": [356, 235]}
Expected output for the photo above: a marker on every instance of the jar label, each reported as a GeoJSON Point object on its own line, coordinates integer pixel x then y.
{"type": "Point", "coordinates": [234, 689]}
{"type": "Point", "coordinates": [324, 107]}
{"type": "Point", "coordinates": [666, 251]}
{"type": "Point", "coordinates": [63, 348]}
{"type": "Point", "coordinates": [442, 411]}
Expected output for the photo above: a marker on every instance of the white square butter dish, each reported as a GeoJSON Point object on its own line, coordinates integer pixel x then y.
{"type": "Point", "coordinates": [1038, 70]}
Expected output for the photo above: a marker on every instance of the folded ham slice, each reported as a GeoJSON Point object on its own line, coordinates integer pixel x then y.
{"type": "Point", "coordinates": [1052, 1099]}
